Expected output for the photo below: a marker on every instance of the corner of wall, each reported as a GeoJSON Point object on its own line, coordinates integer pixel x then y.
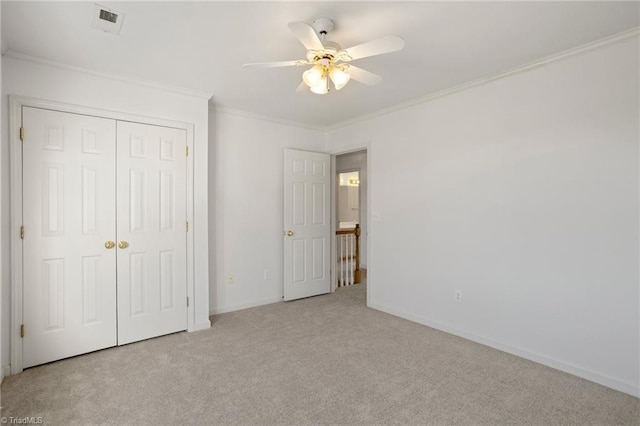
{"type": "Point", "coordinates": [1, 203]}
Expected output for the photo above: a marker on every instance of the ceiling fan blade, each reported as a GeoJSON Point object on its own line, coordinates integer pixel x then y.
{"type": "Point", "coordinates": [274, 64]}
{"type": "Point", "coordinates": [366, 77]}
{"type": "Point", "coordinates": [307, 35]}
{"type": "Point", "coordinates": [375, 47]}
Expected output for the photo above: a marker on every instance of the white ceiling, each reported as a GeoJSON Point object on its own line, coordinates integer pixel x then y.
{"type": "Point", "coordinates": [202, 45]}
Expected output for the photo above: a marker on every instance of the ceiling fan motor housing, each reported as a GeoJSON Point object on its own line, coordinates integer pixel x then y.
{"type": "Point", "coordinates": [323, 25]}
{"type": "Point", "coordinates": [331, 47]}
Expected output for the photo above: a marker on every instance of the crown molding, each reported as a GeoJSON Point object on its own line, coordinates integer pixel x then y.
{"type": "Point", "coordinates": [615, 38]}
{"type": "Point", "coordinates": [262, 117]}
{"type": "Point", "coordinates": [138, 82]}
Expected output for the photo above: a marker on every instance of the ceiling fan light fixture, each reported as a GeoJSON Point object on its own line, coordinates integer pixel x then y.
{"type": "Point", "coordinates": [314, 76]}
{"type": "Point", "coordinates": [321, 88]}
{"type": "Point", "coordinates": [338, 77]}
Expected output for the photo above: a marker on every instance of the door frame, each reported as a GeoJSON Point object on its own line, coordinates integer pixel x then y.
{"type": "Point", "coordinates": [15, 160]}
{"type": "Point", "coordinates": [365, 146]}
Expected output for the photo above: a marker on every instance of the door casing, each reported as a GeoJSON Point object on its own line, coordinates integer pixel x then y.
{"type": "Point", "coordinates": [15, 157]}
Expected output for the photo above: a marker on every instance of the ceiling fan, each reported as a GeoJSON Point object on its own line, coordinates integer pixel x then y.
{"type": "Point", "coordinates": [329, 61]}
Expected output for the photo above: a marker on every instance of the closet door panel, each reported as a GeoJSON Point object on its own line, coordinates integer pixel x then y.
{"type": "Point", "coordinates": [152, 275]}
{"type": "Point", "coordinates": [69, 213]}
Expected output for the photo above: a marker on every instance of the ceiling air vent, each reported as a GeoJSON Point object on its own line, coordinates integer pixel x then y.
{"type": "Point", "coordinates": [107, 20]}
{"type": "Point", "coordinates": [108, 16]}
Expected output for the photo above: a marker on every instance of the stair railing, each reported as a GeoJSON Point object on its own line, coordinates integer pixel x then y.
{"type": "Point", "coordinates": [348, 244]}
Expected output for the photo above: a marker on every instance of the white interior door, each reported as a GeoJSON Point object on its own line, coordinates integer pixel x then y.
{"type": "Point", "coordinates": [69, 205]}
{"type": "Point", "coordinates": [306, 223]}
{"type": "Point", "coordinates": [152, 220]}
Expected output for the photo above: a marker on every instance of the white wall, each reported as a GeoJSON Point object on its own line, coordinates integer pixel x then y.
{"type": "Point", "coordinates": [249, 188]}
{"type": "Point", "coordinates": [523, 194]}
{"type": "Point", "coordinates": [30, 79]}
{"type": "Point", "coordinates": [348, 204]}
{"type": "Point", "coordinates": [358, 161]}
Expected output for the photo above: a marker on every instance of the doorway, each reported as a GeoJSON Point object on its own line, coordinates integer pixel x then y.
{"type": "Point", "coordinates": [311, 188]}
{"type": "Point", "coordinates": [351, 203]}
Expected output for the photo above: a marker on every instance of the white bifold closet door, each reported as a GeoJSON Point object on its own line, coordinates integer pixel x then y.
{"type": "Point", "coordinates": [104, 248]}
{"type": "Point", "coordinates": [152, 220]}
{"type": "Point", "coordinates": [69, 213]}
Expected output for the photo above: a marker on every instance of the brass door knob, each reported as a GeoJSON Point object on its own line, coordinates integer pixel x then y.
{"type": "Point", "coordinates": [289, 233]}
{"type": "Point", "coordinates": [109, 244]}
{"type": "Point", "coordinates": [123, 244]}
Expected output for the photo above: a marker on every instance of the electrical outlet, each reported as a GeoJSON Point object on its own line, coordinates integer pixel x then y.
{"type": "Point", "coordinates": [267, 274]}
{"type": "Point", "coordinates": [230, 278]}
{"type": "Point", "coordinates": [458, 296]}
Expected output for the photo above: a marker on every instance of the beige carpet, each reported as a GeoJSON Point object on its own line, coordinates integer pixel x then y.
{"type": "Point", "coordinates": [323, 360]}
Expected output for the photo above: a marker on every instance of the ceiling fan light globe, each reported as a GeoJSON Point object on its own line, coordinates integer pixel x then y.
{"type": "Point", "coordinates": [339, 77]}
{"type": "Point", "coordinates": [321, 88]}
{"type": "Point", "coordinates": [313, 76]}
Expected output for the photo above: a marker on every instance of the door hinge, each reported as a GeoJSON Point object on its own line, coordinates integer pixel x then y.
{"type": "Point", "coordinates": [21, 330]}
{"type": "Point", "coordinates": [187, 302]}
{"type": "Point", "coordinates": [187, 226]}
{"type": "Point", "coordinates": [22, 134]}
{"type": "Point", "coordinates": [187, 151]}
{"type": "Point", "coordinates": [22, 232]}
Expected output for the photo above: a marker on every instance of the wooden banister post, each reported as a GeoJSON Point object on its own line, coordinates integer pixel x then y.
{"type": "Point", "coordinates": [356, 274]}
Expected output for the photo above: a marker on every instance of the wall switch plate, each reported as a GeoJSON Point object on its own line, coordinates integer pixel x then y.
{"type": "Point", "coordinates": [267, 274]}
{"type": "Point", "coordinates": [458, 296]}
{"type": "Point", "coordinates": [230, 278]}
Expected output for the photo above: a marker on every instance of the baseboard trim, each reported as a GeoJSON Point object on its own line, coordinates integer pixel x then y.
{"type": "Point", "coordinates": [592, 376]}
{"type": "Point", "coordinates": [247, 305]}
{"type": "Point", "coordinates": [4, 372]}
{"type": "Point", "coordinates": [201, 326]}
